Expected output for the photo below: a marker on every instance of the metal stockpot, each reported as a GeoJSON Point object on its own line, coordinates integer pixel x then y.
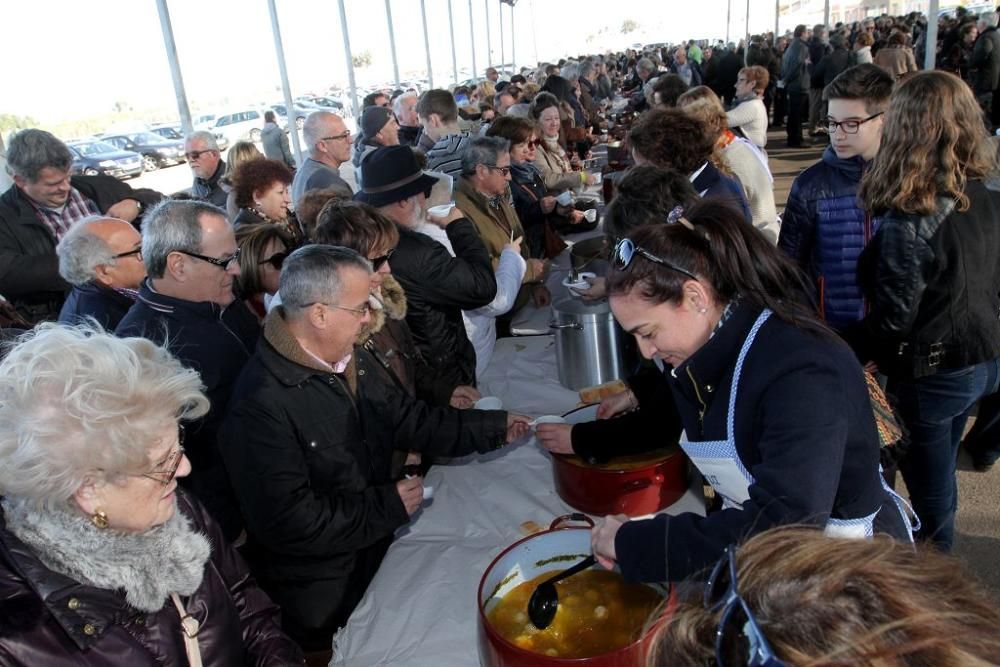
{"type": "Point", "coordinates": [591, 348]}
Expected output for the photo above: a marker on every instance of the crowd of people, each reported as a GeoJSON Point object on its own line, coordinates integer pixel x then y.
{"type": "Point", "coordinates": [216, 406]}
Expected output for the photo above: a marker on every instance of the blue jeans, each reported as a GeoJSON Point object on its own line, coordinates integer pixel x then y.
{"type": "Point", "coordinates": [935, 409]}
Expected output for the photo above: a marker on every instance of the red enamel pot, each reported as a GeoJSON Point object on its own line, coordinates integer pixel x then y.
{"type": "Point", "coordinates": [633, 489]}
{"type": "Point", "coordinates": [547, 551]}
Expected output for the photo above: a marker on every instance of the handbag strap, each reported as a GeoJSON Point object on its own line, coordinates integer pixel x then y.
{"type": "Point", "coordinates": [190, 627]}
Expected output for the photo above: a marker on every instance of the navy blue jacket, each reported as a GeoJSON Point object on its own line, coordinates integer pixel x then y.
{"type": "Point", "coordinates": [217, 342]}
{"type": "Point", "coordinates": [803, 427]}
{"type": "Point", "coordinates": [713, 183]}
{"type": "Point", "coordinates": [824, 229]}
{"type": "Point", "coordinates": [93, 300]}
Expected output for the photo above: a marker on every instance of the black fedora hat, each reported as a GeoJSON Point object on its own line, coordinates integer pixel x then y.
{"type": "Point", "coordinates": [391, 174]}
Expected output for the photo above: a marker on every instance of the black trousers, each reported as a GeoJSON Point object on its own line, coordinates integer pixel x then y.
{"type": "Point", "coordinates": [796, 106]}
{"type": "Point", "coordinates": [780, 106]}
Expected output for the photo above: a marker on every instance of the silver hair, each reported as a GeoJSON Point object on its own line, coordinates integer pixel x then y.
{"type": "Point", "coordinates": [311, 275]}
{"type": "Point", "coordinates": [30, 151]}
{"type": "Point", "coordinates": [204, 136]}
{"type": "Point", "coordinates": [171, 226]}
{"type": "Point", "coordinates": [313, 128]}
{"type": "Point", "coordinates": [78, 404]}
{"type": "Point", "coordinates": [81, 250]}
{"type": "Point", "coordinates": [397, 105]}
{"type": "Point", "coordinates": [587, 68]}
{"type": "Point", "coordinates": [646, 65]}
{"type": "Point", "coordinates": [483, 150]}
{"type": "Point", "coordinates": [570, 71]}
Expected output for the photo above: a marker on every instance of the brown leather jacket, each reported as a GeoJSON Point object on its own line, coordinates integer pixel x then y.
{"type": "Point", "coordinates": [46, 618]}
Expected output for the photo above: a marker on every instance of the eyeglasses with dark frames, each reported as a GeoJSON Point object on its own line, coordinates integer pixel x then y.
{"type": "Point", "coordinates": [849, 126]}
{"type": "Point", "coordinates": [134, 251]}
{"type": "Point", "coordinates": [377, 262]}
{"type": "Point", "coordinates": [626, 251]}
{"type": "Point", "coordinates": [337, 137]}
{"type": "Point", "coordinates": [221, 263]}
{"type": "Point", "coordinates": [276, 260]}
{"type": "Point", "coordinates": [194, 155]}
{"type": "Point", "coordinates": [171, 464]}
{"type": "Point", "coordinates": [721, 592]}
{"type": "Point", "coordinates": [503, 170]}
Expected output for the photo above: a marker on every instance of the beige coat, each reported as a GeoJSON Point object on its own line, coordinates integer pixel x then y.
{"type": "Point", "coordinates": [896, 60]}
{"type": "Point", "coordinates": [556, 172]}
{"type": "Point", "coordinates": [493, 224]}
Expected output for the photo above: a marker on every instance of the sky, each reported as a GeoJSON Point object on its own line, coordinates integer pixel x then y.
{"type": "Point", "coordinates": [100, 53]}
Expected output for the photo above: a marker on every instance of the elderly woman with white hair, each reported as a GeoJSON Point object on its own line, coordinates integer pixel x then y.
{"type": "Point", "coordinates": [103, 559]}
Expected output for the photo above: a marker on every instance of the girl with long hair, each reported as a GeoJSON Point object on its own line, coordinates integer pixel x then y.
{"type": "Point", "coordinates": [767, 403]}
{"type": "Point", "coordinates": [932, 277]}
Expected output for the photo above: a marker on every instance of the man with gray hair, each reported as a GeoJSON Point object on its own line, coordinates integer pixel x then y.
{"type": "Point", "coordinates": [205, 160]}
{"type": "Point", "coordinates": [405, 108]}
{"type": "Point", "coordinates": [329, 144]}
{"type": "Point", "coordinates": [102, 259]}
{"type": "Point", "coordinates": [44, 203]}
{"type": "Point", "coordinates": [986, 64]}
{"type": "Point", "coordinates": [308, 441]}
{"type": "Point", "coordinates": [187, 305]}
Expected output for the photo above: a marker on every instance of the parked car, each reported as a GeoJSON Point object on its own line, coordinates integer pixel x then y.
{"type": "Point", "coordinates": [173, 131]}
{"type": "Point", "coordinates": [93, 156]}
{"type": "Point", "coordinates": [302, 109]}
{"type": "Point", "coordinates": [328, 103]}
{"type": "Point", "coordinates": [155, 150]}
{"type": "Point", "coordinates": [204, 121]}
{"type": "Point", "coordinates": [240, 125]}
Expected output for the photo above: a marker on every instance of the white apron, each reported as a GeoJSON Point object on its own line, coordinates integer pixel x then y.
{"type": "Point", "coordinates": [720, 464]}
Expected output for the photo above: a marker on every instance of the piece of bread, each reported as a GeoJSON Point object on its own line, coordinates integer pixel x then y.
{"type": "Point", "coordinates": [598, 393]}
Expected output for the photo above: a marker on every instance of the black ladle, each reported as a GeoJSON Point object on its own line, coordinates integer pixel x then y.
{"type": "Point", "coordinates": [545, 599]}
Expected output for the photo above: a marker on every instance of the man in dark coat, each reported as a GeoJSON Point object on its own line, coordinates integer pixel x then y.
{"type": "Point", "coordinates": [187, 305]}
{"type": "Point", "coordinates": [795, 81]}
{"type": "Point", "coordinates": [205, 160]}
{"type": "Point", "coordinates": [438, 286]}
{"type": "Point", "coordinates": [308, 440]}
{"type": "Point", "coordinates": [40, 208]}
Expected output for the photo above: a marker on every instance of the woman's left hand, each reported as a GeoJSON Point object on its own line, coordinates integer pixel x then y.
{"type": "Point", "coordinates": [557, 438]}
{"type": "Point", "coordinates": [602, 539]}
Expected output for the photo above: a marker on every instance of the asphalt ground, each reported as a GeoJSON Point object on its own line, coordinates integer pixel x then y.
{"type": "Point", "coordinates": [977, 535]}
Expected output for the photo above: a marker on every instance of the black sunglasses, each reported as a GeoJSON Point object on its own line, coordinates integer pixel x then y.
{"type": "Point", "coordinates": [276, 260]}
{"type": "Point", "coordinates": [377, 262]}
{"type": "Point", "coordinates": [626, 251]}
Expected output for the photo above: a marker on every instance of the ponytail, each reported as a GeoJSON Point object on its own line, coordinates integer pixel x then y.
{"type": "Point", "coordinates": [727, 254]}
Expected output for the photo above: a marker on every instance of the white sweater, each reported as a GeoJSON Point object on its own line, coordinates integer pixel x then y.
{"type": "Point", "coordinates": [744, 161]}
{"type": "Point", "coordinates": [751, 117]}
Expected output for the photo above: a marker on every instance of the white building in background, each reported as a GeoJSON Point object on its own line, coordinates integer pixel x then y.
{"type": "Point", "coordinates": [810, 12]}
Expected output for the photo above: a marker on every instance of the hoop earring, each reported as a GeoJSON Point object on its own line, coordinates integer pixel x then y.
{"type": "Point", "coordinates": [99, 519]}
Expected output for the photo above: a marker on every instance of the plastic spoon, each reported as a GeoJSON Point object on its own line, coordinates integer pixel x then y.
{"type": "Point", "coordinates": [545, 599]}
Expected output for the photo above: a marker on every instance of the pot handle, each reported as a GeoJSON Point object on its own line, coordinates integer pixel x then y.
{"type": "Point", "coordinates": [574, 325]}
{"type": "Point", "coordinates": [566, 518]}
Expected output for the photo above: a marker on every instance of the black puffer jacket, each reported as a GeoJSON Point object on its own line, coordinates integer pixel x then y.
{"type": "Point", "coordinates": [29, 268]}
{"type": "Point", "coordinates": [309, 452]}
{"type": "Point", "coordinates": [47, 618]}
{"type": "Point", "coordinates": [438, 288]}
{"type": "Point", "coordinates": [933, 284]}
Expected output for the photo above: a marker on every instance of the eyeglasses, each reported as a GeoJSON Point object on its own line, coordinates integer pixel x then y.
{"type": "Point", "coordinates": [194, 155]}
{"type": "Point", "coordinates": [849, 126]}
{"type": "Point", "coordinates": [276, 260]}
{"type": "Point", "coordinates": [366, 309]}
{"type": "Point", "coordinates": [625, 251]}
{"type": "Point", "coordinates": [337, 137]}
{"type": "Point", "coordinates": [172, 463]}
{"type": "Point", "coordinates": [534, 143]}
{"type": "Point", "coordinates": [503, 170]}
{"type": "Point", "coordinates": [135, 251]}
{"type": "Point", "coordinates": [721, 593]}
{"type": "Point", "coordinates": [221, 263]}
{"type": "Point", "coordinates": [377, 262]}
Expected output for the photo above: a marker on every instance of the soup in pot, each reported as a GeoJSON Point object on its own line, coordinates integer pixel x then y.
{"type": "Point", "coordinates": [598, 612]}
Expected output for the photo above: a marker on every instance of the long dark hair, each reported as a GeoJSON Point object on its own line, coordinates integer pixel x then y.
{"type": "Point", "coordinates": [730, 256]}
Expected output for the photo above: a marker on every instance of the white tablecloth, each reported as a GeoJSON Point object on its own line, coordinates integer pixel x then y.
{"type": "Point", "coordinates": [421, 607]}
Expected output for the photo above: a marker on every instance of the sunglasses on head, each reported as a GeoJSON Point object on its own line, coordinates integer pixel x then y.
{"type": "Point", "coordinates": [276, 260]}
{"type": "Point", "coordinates": [626, 251]}
{"type": "Point", "coordinates": [737, 622]}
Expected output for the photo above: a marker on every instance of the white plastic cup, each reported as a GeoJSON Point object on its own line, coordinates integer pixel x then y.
{"type": "Point", "coordinates": [488, 403]}
{"type": "Point", "coordinates": [549, 419]}
{"type": "Point", "coordinates": [441, 210]}
{"type": "Point", "coordinates": [590, 215]}
{"type": "Point", "coordinates": [565, 199]}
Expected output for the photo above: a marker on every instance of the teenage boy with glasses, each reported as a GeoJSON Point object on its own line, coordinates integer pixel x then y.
{"type": "Point", "coordinates": [824, 229]}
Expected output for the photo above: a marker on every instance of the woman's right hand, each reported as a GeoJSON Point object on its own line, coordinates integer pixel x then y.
{"type": "Point", "coordinates": [598, 289]}
{"type": "Point", "coordinates": [617, 404]}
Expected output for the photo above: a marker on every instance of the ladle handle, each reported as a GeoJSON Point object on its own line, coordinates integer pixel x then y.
{"type": "Point", "coordinates": [589, 561]}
